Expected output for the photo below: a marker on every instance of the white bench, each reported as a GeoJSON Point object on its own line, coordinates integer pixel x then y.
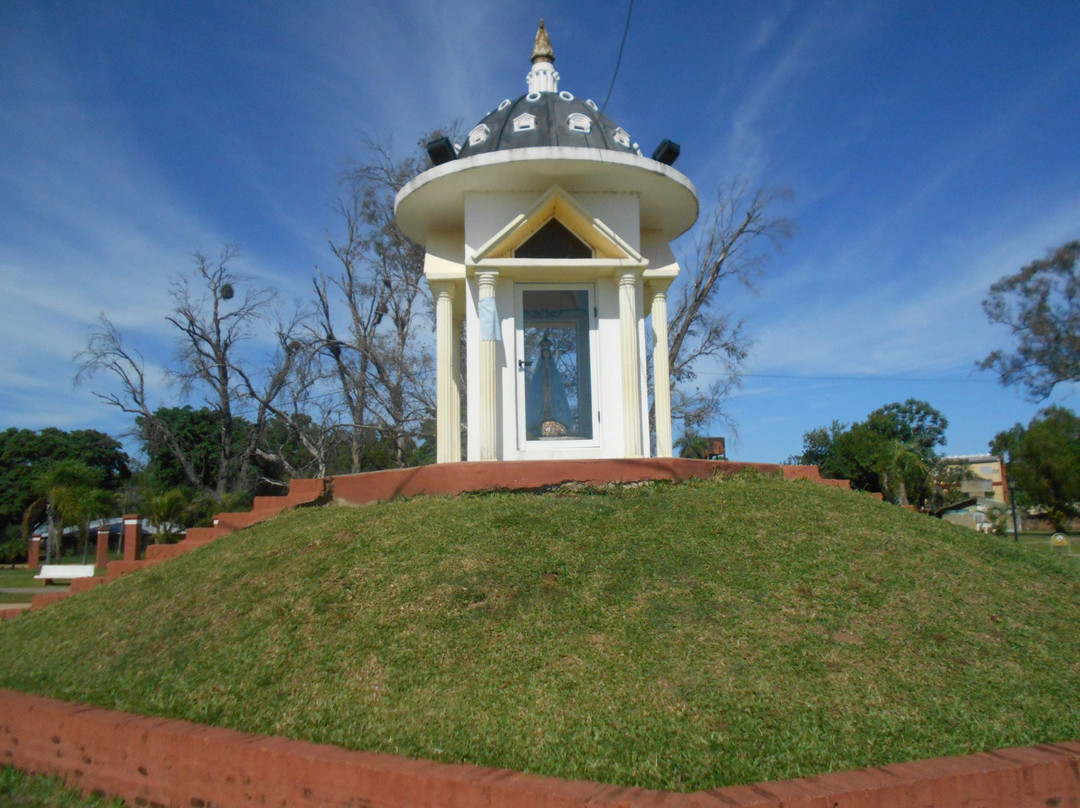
{"type": "Point", "coordinates": [55, 572]}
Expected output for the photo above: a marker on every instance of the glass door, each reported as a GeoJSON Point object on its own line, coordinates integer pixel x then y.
{"type": "Point", "coordinates": [555, 351]}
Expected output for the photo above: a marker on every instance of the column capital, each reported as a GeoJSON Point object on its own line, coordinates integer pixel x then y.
{"type": "Point", "coordinates": [443, 289]}
{"type": "Point", "coordinates": [658, 286]}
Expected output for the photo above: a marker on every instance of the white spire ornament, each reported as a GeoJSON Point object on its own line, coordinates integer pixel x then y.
{"type": "Point", "coordinates": [543, 78]}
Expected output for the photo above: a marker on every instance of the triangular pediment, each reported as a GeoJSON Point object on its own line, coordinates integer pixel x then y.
{"type": "Point", "coordinates": [577, 236]}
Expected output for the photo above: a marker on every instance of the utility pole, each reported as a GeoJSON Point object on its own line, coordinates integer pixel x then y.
{"type": "Point", "coordinates": [1012, 502]}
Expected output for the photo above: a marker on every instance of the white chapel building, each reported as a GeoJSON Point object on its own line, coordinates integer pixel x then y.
{"type": "Point", "coordinates": [547, 238]}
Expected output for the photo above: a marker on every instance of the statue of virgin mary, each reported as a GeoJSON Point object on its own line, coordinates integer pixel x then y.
{"type": "Point", "coordinates": [547, 410]}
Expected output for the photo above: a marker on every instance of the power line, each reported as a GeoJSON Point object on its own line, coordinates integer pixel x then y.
{"type": "Point", "coordinates": [864, 378]}
{"type": "Point", "coordinates": [618, 61]}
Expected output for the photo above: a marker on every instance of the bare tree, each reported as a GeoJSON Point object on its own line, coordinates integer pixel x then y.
{"type": "Point", "coordinates": [106, 352]}
{"type": "Point", "coordinates": [382, 369]}
{"type": "Point", "coordinates": [731, 244]}
{"type": "Point", "coordinates": [213, 321]}
{"type": "Point", "coordinates": [216, 318]}
{"type": "Point", "coordinates": [302, 437]}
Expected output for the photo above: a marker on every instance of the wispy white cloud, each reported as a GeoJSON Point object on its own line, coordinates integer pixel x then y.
{"type": "Point", "coordinates": [774, 65]}
{"type": "Point", "coordinates": [922, 317]}
{"type": "Point", "coordinates": [89, 226]}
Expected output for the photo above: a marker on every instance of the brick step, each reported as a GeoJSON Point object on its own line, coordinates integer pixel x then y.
{"type": "Point", "coordinates": [161, 552]}
{"type": "Point", "coordinates": [271, 504]}
{"type": "Point", "coordinates": [85, 584]}
{"type": "Point", "coordinates": [198, 536]}
{"type": "Point", "coordinates": [201, 541]}
{"type": "Point", "coordinates": [47, 599]}
{"type": "Point", "coordinates": [305, 491]}
{"type": "Point", "coordinates": [235, 521]}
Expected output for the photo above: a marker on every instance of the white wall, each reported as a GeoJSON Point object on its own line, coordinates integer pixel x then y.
{"type": "Point", "coordinates": [486, 214]}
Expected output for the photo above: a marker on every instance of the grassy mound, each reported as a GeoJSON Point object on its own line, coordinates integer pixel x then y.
{"type": "Point", "coordinates": [670, 636]}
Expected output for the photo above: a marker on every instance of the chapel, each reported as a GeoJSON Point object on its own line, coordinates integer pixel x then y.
{"type": "Point", "coordinates": [547, 235]}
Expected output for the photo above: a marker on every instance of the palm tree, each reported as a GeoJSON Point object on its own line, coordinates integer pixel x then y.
{"type": "Point", "coordinates": [165, 511]}
{"type": "Point", "coordinates": [899, 464]}
{"type": "Point", "coordinates": [69, 495]}
{"type": "Point", "coordinates": [693, 445]}
{"type": "Point", "coordinates": [96, 503]}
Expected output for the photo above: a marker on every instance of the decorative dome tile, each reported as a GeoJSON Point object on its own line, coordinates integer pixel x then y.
{"type": "Point", "coordinates": [546, 116]}
{"type": "Point", "coordinates": [557, 122]}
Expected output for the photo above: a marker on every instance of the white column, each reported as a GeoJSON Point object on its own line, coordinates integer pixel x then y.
{"type": "Point", "coordinates": [447, 406]}
{"type": "Point", "coordinates": [631, 365]}
{"type": "Point", "coordinates": [488, 392]}
{"type": "Point", "coordinates": [661, 371]}
{"type": "Point", "coordinates": [459, 321]}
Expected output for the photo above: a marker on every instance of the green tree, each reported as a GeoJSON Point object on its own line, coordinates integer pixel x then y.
{"type": "Point", "coordinates": [70, 494]}
{"type": "Point", "coordinates": [166, 512]}
{"type": "Point", "coordinates": [1044, 459]}
{"type": "Point", "coordinates": [1040, 304]}
{"type": "Point", "coordinates": [947, 478]}
{"type": "Point", "coordinates": [856, 454]}
{"type": "Point", "coordinates": [25, 453]}
{"type": "Point", "coordinates": [901, 465]}
{"type": "Point", "coordinates": [12, 551]}
{"type": "Point", "coordinates": [818, 444]}
{"type": "Point", "coordinates": [892, 452]}
{"type": "Point", "coordinates": [914, 423]}
{"type": "Point", "coordinates": [182, 446]}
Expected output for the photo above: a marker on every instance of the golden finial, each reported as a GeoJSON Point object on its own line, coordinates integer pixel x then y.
{"type": "Point", "coordinates": [542, 51]}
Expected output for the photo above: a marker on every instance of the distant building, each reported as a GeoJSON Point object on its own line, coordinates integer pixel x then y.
{"type": "Point", "coordinates": [987, 476]}
{"type": "Point", "coordinates": [717, 450]}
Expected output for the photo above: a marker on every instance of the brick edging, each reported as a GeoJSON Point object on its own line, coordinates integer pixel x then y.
{"type": "Point", "coordinates": [450, 479]}
{"type": "Point", "coordinates": [167, 762]}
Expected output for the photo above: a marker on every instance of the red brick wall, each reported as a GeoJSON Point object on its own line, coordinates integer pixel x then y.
{"type": "Point", "coordinates": [101, 558]}
{"type": "Point", "coordinates": [153, 761]}
{"type": "Point", "coordinates": [132, 536]}
{"type": "Point", "coordinates": [524, 475]}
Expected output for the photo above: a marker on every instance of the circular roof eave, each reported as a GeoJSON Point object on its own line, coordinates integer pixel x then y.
{"type": "Point", "coordinates": [434, 200]}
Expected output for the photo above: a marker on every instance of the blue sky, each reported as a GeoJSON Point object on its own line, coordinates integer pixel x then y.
{"type": "Point", "coordinates": [931, 148]}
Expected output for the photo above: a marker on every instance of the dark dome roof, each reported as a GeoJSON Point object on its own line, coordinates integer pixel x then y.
{"type": "Point", "coordinates": [546, 119]}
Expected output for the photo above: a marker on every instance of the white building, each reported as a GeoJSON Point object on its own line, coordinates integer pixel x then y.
{"type": "Point", "coordinates": [548, 240]}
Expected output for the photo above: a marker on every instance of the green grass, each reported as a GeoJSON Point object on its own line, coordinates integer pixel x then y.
{"type": "Point", "coordinates": [19, 790]}
{"type": "Point", "coordinates": [18, 578]}
{"type": "Point", "coordinates": [24, 579]}
{"type": "Point", "coordinates": [1040, 542]}
{"type": "Point", "coordinates": [669, 636]}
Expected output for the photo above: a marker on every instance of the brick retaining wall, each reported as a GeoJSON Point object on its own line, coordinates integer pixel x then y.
{"type": "Point", "coordinates": [529, 475]}
{"type": "Point", "coordinates": [164, 762]}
